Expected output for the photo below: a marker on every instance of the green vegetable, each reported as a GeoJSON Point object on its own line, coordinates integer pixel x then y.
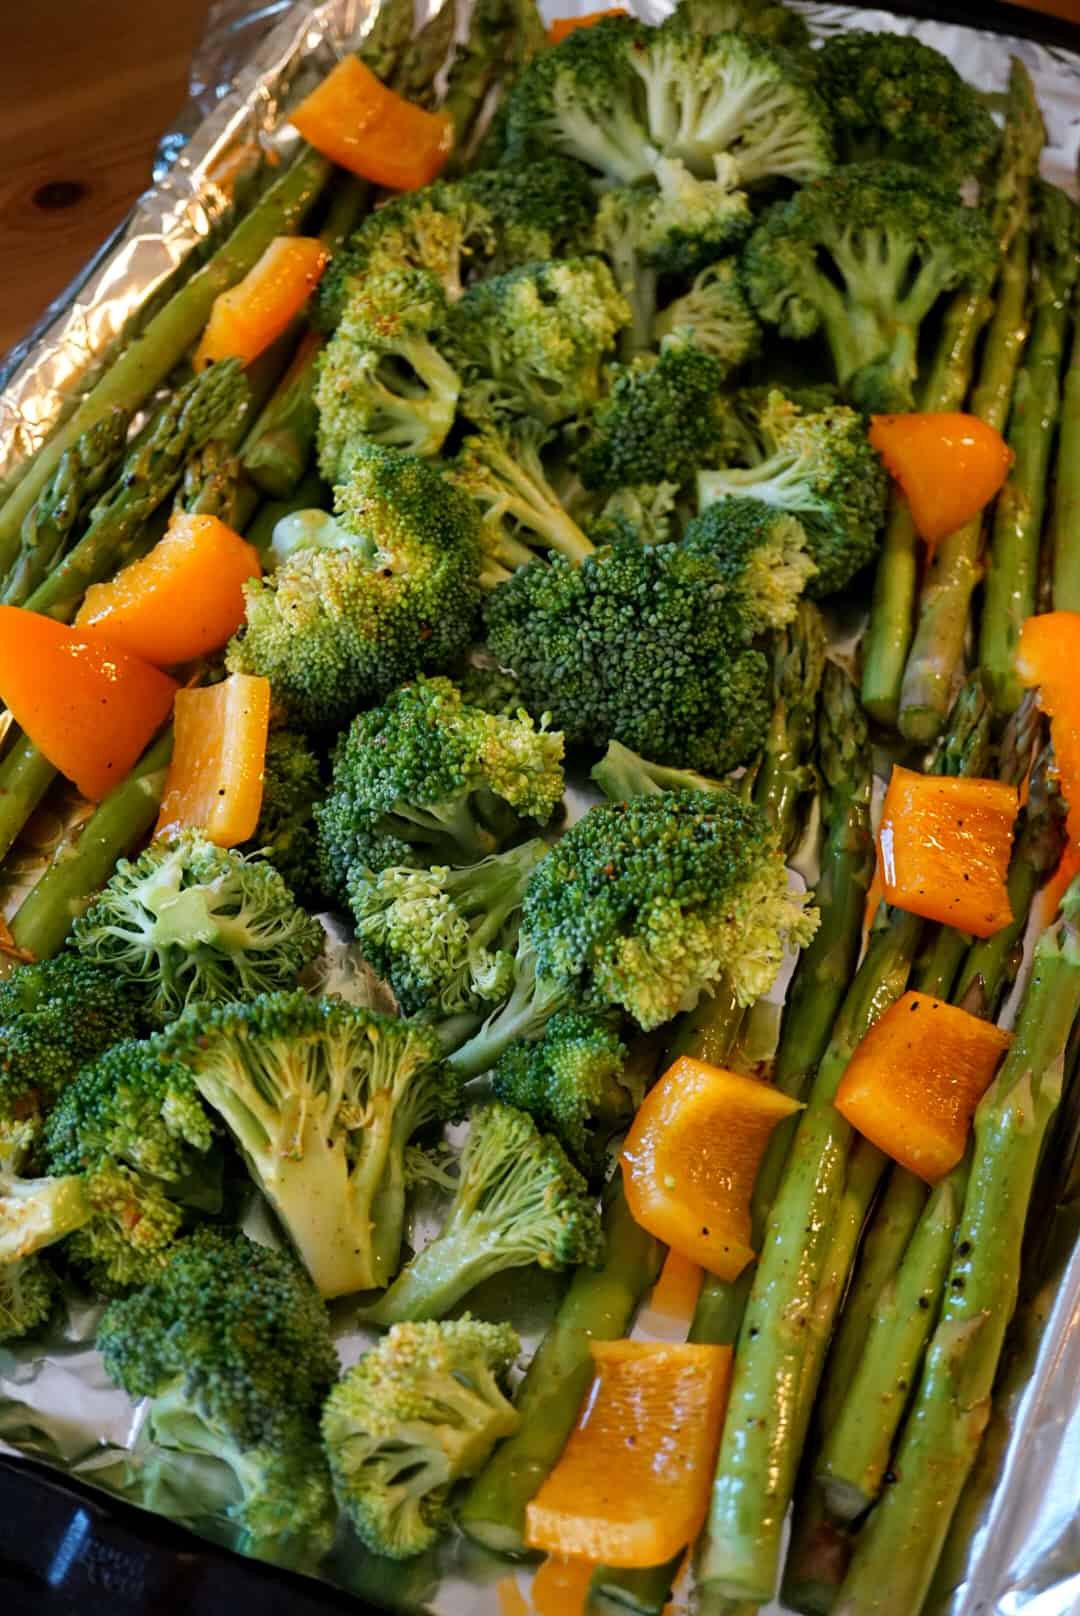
{"type": "Point", "coordinates": [715, 315]}
{"type": "Point", "coordinates": [28, 1292]}
{"type": "Point", "coordinates": [575, 1082]}
{"type": "Point", "coordinates": [766, 19]}
{"type": "Point", "coordinates": [501, 467]}
{"type": "Point", "coordinates": [285, 834]}
{"type": "Point", "coordinates": [658, 420]}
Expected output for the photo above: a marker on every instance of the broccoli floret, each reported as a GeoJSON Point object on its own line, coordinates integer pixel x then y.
{"type": "Point", "coordinates": [322, 1097]}
{"type": "Point", "coordinates": [439, 936]}
{"type": "Point", "coordinates": [762, 556]}
{"type": "Point", "coordinates": [187, 922]}
{"type": "Point", "coordinates": [892, 97]}
{"type": "Point", "coordinates": [532, 1002]}
{"type": "Point", "coordinates": [419, 1412]}
{"type": "Point", "coordinates": [382, 376]}
{"type": "Point", "coordinates": [533, 342]}
{"type": "Point", "coordinates": [285, 834]}
{"type": "Point", "coordinates": [714, 315]}
{"type": "Point", "coordinates": [503, 470]}
{"type": "Point", "coordinates": [634, 645]}
{"type": "Point", "coordinates": [519, 1200]}
{"type": "Point", "coordinates": [643, 512]}
{"type": "Point", "coordinates": [657, 422]}
{"type": "Point", "coordinates": [645, 904]}
{"type": "Point", "coordinates": [622, 774]}
{"type": "Point", "coordinates": [863, 255]}
{"type": "Point", "coordinates": [816, 464]}
{"type": "Point", "coordinates": [28, 1290]}
{"type": "Point", "coordinates": [426, 779]}
{"type": "Point", "coordinates": [387, 592]}
{"type": "Point", "coordinates": [232, 1346]}
{"type": "Point", "coordinates": [574, 1081]}
{"type": "Point", "coordinates": [538, 210]}
{"type": "Point", "coordinates": [767, 19]}
{"type": "Point", "coordinates": [619, 96]}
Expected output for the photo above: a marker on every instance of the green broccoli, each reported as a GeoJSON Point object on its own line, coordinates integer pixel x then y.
{"type": "Point", "coordinates": [816, 464]}
{"type": "Point", "coordinates": [714, 315]}
{"type": "Point", "coordinates": [519, 1200]}
{"type": "Point", "coordinates": [643, 512]}
{"type": "Point", "coordinates": [767, 19]}
{"type": "Point", "coordinates": [439, 936]}
{"type": "Point", "coordinates": [28, 1291]}
{"type": "Point", "coordinates": [619, 96]}
{"type": "Point", "coordinates": [322, 1098]}
{"type": "Point", "coordinates": [422, 1410]}
{"type": "Point", "coordinates": [622, 774]}
{"type": "Point", "coordinates": [503, 470]}
{"type": "Point", "coordinates": [574, 1081]}
{"type": "Point", "coordinates": [188, 922]}
{"type": "Point", "coordinates": [232, 1346]}
{"type": "Point", "coordinates": [657, 422]}
{"type": "Point", "coordinates": [37, 1212]}
{"type": "Point", "coordinates": [533, 342]}
{"type": "Point", "coordinates": [645, 904]}
{"type": "Point", "coordinates": [285, 834]}
{"type": "Point", "coordinates": [382, 377]}
{"type": "Point", "coordinates": [384, 593]}
{"type": "Point", "coordinates": [650, 644]}
{"type": "Point", "coordinates": [892, 97]}
{"type": "Point", "coordinates": [540, 210]}
{"type": "Point", "coordinates": [864, 255]}
{"type": "Point", "coordinates": [426, 779]}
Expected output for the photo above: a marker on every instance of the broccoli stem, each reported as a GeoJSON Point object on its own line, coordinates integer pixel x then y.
{"type": "Point", "coordinates": [798, 1282]}
{"type": "Point", "coordinates": [622, 774]}
{"type": "Point", "coordinates": [1013, 561]}
{"type": "Point", "coordinates": [598, 1306]}
{"type": "Point", "coordinates": [897, 1551]}
{"type": "Point", "coordinates": [310, 493]}
{"type": "Point", "coordinates": [146, 362]}
{"type": "Point", "coordinates": [82, 864]}
{"type": "Point", "coordinates": [938, 645]}
{"type": "Point", "coordinates": [1065, 519]}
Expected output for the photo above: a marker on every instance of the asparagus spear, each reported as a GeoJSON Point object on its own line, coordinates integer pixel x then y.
{"type": "Point", "coordinates": [889, 637]}
{"type": "Point", "coordinates": [417, 71]}
{"type": "Point", "coordinates": [786, 777]}
{"type": "Point", "coordinates": [1065, 517]}
{"type": "Point", "coordinates": [282, 438]}
{"type": "Point", "coordinates": [759, 1450]}
{"type": "Point", "coordinates": [386, 41]}
{"type": "Point", "coordinates": [147, 360]}
{"type": "Point", "coordinates": [1013, 564]}
{"type": "Point", "coordinates": [84, 470]}
{"type": "Point", "coordinates": [897, 1551]}
{"type": "Point", "coordinates": [598, 1306]}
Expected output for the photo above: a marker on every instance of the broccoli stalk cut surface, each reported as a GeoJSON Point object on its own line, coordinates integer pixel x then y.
{"type": "Point", "coordinates": [504, 472]}
{"type": "Point", "coordinates": [439, 936]}
{"type": "Point", "coordinates": [519, 1201]}
{"type": "Point", "coordinates": [863, 255]}
{"type": "Point", "coordinates": [322, 1097]}
{"type": "Point", "coordinates": [232, 1346]}
{"type": "Point", "coordinates": [422, 1410]}
{"type": "Point", "coordinates": [189, 922]}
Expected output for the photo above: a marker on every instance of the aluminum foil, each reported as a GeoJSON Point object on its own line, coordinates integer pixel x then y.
{"type": "Point", "coordinates": [1020, 1551]}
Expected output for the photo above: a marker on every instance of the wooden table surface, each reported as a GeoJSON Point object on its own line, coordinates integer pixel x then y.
{"type": "Point", "coordinates": [86, 88]}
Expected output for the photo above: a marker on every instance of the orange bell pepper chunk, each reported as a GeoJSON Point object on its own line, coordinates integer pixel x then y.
{"type": "Point", "coordinates": [944, 847]}
{"type": "Point", "coordinates": [949, 466]}
{"type": "Point", "coordinates": [632, 1485]}
{"type": "Point", "coordinates": [215, 779]}
{"type": "Point", "coordinates": [355, 119]}
{"type": "Point", "coordinates": [251, 315]}
{"type": "Point", "coordinates": [691, 1157]}
{"type": "Point", "coordinates": [183, 600]}
{"type": "Point", "coordinates": [914, 1081]}
{"type": "Point", "coordinates": [561, 1587]}
{"type": "Point", "coordinates": [561, 26]}
{"type": "Point", "coordinates": [1048, 655]}
{"type": "Point", "coordinates": [87, 704]}
{"type": "Point", "coordinates": [675, 1294]}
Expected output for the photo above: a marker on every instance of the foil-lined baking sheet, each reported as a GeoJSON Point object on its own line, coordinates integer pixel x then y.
{"type": "Point", "coordinates": [1021, 1548]}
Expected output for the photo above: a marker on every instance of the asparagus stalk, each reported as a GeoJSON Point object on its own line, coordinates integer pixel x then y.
{"type": "Point", "coordinates": [1065, 517]}
{"type": "Point", "coordinates": [386, 41]}
{"type": "Point", "coordinates": [147, 360]}
{"type": "Point", "coordinates": [889, 637]}
{"type": "Point", "coordinates": [772, 1382]}
{"type": "Point", "coordinates": [417, 72]}
{"type": "Point", "coordinates": [1013, 564]}
{"type": "Point", "coordinates": [282, 438]}
{"type": "Point", "coordinates": [897, 1552]}
{"type": "Point", "coordinates": [787, 777]}
{"type": "Point", "coordinates": [474, 70]}
{"type": "Point", "coordinates": [598, 1306]}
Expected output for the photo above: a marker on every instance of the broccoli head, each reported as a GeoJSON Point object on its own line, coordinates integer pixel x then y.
{"type": "Point", "coordinates": [539, 210]}
{"type": "Point", "coordinates": [646, 904]}
{"type": "Point", "coordinates": [767, 19]}
{"type": "Point", "coordinates": [533, 342]}
{"type": "Point", "coordinates": [285, 834]}
{"type": "Point", "coordinates": [187, 922]}
{"type": "Point", "coordinates": [382, 377]}
{"type": "Point", "coordinates": [863, 255]}
{"type": "Point", "coordinates": [422, 1410]}
{"type": "Point", "coordinates": [503, 470]}
{"type": "Point", "coordinates": [762, 556]}
{"type": "Point", "coordinates": [658, 420]}
{"type": "Point", "coordinates": [574, 1081]}
{"type": "Point", "coordinates": [439, 936]}
{"type": "Point", "coordinates": [28, 1292]}
{"type": "Point", "coordinates": [426, 779]}
{"type": "Point", "coordinates": [387, 591]}
{"type": "Point", "coordinates": [322, 1098]}
{"type": "Point", "coordinates": [714, 315]}
{"type": "Point", "coordinates": [232, 1346]}
{"type": "Point", "coordinates": [814, 463]}
{"type": "Point", "coordinates": [519, 1200]}
{"type": "Point", "coordinates": [891, 97]}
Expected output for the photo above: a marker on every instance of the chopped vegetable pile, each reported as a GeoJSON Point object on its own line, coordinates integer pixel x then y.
{"type": "Point", "coordinates": [577, 459]}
